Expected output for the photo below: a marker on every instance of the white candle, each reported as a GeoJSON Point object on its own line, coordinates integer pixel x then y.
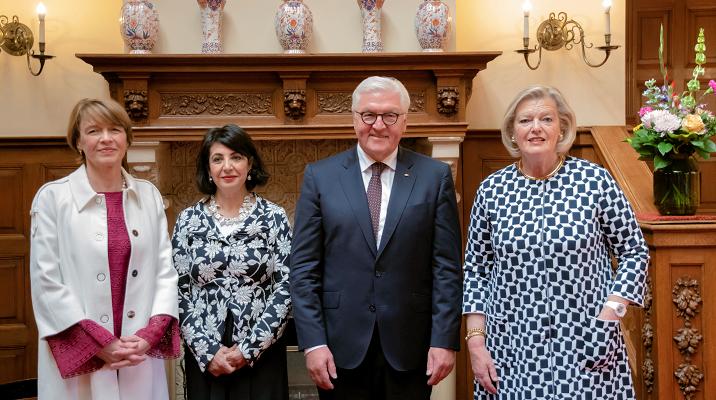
{"type": "Point", "coordinates": [607, 4]}
{"type": "Point", "coordinates": [41, 11]}
{"type": "Point", "coordinates": [526, 7]}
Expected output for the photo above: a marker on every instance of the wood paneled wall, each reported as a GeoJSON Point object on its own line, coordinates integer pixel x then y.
{"type": "Point", "coordinates": [24, 166]}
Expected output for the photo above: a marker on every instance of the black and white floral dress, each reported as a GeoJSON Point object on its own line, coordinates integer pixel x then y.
{"type": "Point", "coordinates": [244, 273]}
{"type": "Point", "coordinates": [538, 265]}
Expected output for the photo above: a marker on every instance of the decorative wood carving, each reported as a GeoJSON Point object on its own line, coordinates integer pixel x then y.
{"type": "Point", "coordinates": [294, 103]}
{"type": "Point", "coordinates": [216, 104]}
{"type": "Point", "coordinates": [136, 104]}
{"type": "Point", "coordinates": [417, 102]}
{"type": "Point", "coordinates": [687, 299]}
{"type": "Point", "coordinates": [448, 99]}
{"type": "Point", "coordinates": [647, 335]}
{"type": "Point", "coordinates": [334, 102]}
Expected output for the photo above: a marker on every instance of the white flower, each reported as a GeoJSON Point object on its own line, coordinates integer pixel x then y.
{"type": "Point", "coordinates": [284, 246]}
{"type": "Point", "coordinates": [257, 308]}
{"type": "Point", "coordinates": [254, 227]}
{"type": "Point", "coordinates": [201, 347]}
{"type": "Point", "coordinates": [207, 272]}
{"type": "Point", "coordinates": [243, 295]}
{"type": "Point", "coordinates": [212, 248]}
{"type": "Point", "coordinates": [182, 263]}
{"type": "Point", "coordinates": [661, 121]}
{"type": "Point", "coordinates": [194, 222]}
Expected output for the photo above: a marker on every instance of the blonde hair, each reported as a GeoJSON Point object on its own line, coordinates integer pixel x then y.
{"type": "Point", "coordinates": [567, 119]}
{"type": "Point", "coordinates": [104, 111]}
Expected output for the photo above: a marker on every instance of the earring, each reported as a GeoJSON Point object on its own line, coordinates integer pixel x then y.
{"type": "Point", "coordinates": [561, 136]}
{"type": "Point", "coordinates": [513, 139]}
{"type": "Point", "coordinates": [248, 178]}
{"type": "Point", "coordinates": [211, 179]}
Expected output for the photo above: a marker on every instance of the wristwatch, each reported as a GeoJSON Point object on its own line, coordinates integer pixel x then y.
{"type": "Point", "coordinates": [619, 308]}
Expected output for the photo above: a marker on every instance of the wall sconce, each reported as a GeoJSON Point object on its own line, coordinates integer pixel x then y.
{"type": "Point", "coordinates": [17, 39]}
{"type": "Point", "coordinates": [560, 31]}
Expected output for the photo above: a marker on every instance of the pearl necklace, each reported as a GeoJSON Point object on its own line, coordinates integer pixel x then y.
{"type": "Point", "coordinates": [246, 208]}
{"type": "Point", "coordinates": [544, 177]}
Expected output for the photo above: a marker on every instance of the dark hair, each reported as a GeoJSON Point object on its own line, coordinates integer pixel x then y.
{"type": "Point", "coordinates": [235, 138]}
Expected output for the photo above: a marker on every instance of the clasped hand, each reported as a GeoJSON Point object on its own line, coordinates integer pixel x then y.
{"type": "Point", "coordinates": [124, 352]}
{"type": "Point", "coordinates": [226, 361]}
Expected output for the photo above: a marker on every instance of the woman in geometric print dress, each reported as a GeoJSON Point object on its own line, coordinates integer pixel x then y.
{"type": "Point", "coordinates": [542, 300]}
{"type": "Point", "coordinates": [231, 251]}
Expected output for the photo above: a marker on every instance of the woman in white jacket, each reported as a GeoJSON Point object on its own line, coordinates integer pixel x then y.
{"type": "Point", "coordinates": [104, 290]}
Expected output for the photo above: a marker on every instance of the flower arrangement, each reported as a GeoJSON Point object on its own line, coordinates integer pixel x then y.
{"type": "Point", "coordinates": [675, 126]}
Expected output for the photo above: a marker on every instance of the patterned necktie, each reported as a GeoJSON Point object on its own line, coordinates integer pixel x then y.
{"type": "Point", "coordinates": [374, 193]}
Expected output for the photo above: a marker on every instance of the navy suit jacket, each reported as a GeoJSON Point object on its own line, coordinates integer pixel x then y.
{"type": "Point", "coordinates": [409, 287]}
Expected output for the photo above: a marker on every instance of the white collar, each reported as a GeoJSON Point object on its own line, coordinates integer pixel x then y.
{"type": "Point", "coordinates": [366, 161]}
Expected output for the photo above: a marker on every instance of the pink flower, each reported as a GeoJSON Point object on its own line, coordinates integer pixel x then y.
{"type": "Point", "coordinates": [645, 110]}
{"type": "Point", "coordinates": [712, 85]}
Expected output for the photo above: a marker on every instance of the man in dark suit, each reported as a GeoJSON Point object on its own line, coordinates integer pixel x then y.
{"type": "Point", "coordinates": [375, 261]}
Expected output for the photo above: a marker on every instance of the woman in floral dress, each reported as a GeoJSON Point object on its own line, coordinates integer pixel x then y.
{"type": "Point", "coordinates": [542, 300]}
{"type": "Point", "coordinates": [231, 251]}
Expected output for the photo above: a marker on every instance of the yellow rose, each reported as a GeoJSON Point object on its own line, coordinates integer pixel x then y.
{"type": "Point", "coordinates": [692, 123]}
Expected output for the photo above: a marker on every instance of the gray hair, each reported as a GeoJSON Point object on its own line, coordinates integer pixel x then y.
{"type": "Point", "coordinates": [567, 119]}
{"type": "Point", "coordinates": [381, 84]}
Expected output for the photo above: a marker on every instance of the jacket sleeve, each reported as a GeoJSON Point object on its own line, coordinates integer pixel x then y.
{"type": "Point", "coordinates": [626, 242]}
{"type": "Point", "coordinates": [479, 258]}
{"type": "Point", "coordinates": [55, 304]}
{"type": "Point", "coordinates": [191, 305]}
{"type": "Point", "coordinates": [447, 287]}
{"type": "Point", "coordinates": [270, 325]}
{"type": "Point", "coordinates": [306, 266]}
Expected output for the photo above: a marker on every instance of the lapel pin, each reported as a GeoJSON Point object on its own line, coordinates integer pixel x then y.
{"type": "Point", "coordinates": [406, 174]}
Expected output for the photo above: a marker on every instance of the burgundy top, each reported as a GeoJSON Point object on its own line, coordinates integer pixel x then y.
{"type": "Point", "coordinates": [75, 349]}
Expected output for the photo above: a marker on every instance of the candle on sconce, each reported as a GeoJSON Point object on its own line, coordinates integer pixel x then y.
{"type": "Point", "coordinates": [526, 7]}
{"type": "Point", "coordinates": [41, 11]}
{"type": "Point", "coordinates": [607, 4]}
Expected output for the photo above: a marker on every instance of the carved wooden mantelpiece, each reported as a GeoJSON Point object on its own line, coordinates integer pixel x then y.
{"type": "Point", "coordinates": [278, 96]}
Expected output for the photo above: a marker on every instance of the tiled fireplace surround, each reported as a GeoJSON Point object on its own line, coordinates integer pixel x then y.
{"type": "Point", "coordinates": [296, 107]}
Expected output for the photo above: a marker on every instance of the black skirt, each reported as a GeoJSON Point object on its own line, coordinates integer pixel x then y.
{"type": "Point", "coordinates": [267, 379]}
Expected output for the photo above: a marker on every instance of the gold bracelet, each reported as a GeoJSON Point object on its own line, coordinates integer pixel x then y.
{"type": "Point", "coordinates": [472, 332]}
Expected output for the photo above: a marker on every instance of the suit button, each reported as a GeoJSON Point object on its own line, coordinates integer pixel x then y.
{"type": "Point", "coordinates": [104, 318]}
{"type": "Point", "coordinates": [134, 273]}
{"type": "Point", "coordinates": [101, 277]}
{"type": "Point", "coordinates": [371, 308]}
{"type": "Point", "coordinates": [130, 314]}
{"type": "Point", "coordinates": [135, 232]}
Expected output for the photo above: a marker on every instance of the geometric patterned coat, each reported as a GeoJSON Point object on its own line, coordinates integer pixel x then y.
{"type": "Point", "coordinates": [244, 273]}
{"type": "Point", "coordinates": [538, 265]}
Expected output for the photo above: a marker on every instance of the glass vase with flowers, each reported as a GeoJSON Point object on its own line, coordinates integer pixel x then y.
{"type": "Point", "coordinates": [674, 129]}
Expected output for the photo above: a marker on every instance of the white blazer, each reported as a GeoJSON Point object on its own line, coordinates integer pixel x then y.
{"type": "Point", "coordinates": [69, 273]}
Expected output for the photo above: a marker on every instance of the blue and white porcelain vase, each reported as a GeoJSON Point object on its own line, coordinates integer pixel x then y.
{"type": "Point", "coordinates": [432, 25]}
{"type": "Point", "coordinates": [211, 13]}
{"type": "Point", "coordinates": [294, 26]}
{"type": "Point", "coordinates": [370, 12]}
{"type": "Point", "coordinates": [139, 25]}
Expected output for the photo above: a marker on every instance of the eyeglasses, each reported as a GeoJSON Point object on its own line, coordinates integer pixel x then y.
{"type": "Point", "coordinates": [369, 118]}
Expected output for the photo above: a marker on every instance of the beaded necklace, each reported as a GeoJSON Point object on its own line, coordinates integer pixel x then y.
{"type": "Point", "coordinates": [245, 210]}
